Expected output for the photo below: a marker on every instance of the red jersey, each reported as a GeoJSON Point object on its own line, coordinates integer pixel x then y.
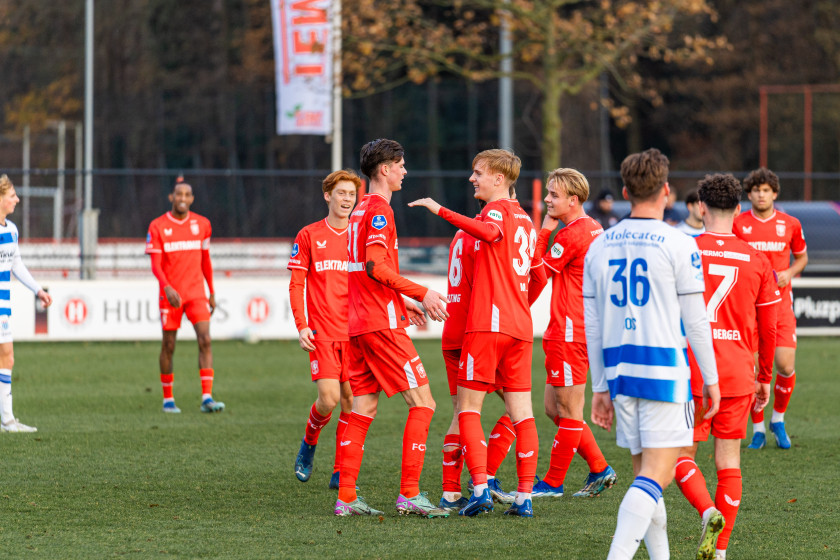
{"type": "Point", "coordinates": [499, 301]}
{"type": "Point", "coordinates": [459, 288]}
{"type": "Point", "coordinates": [321, 251]}
{"type": "Point", "coordinates": [777, 237]}
{"type": "Point", "coordinates": [373, 306]}
{"type": "Point", "coordinates": [738, 280]}
{"type": "Point", "coordinates": [564, 261]}
{"type": "Point", "coordinates": [181, 242]}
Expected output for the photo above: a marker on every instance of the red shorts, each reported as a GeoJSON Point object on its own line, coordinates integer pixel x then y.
{"type": "Point", "coordinates": [384, 361]}
{"type": "Point", "coordinates": [730, 422]}
{"type": "Point", "coordinates": [566, 363]}
{"type": "Point", "coordinates": [785, 325]}
{"type": "Point", "coordinates": [197, 310]}
{"type": "Point", "coordinates": [330, 360]}
{"type": "Point", "coordinates": [497, 359]}
{"type": "Point", "coordinates": [452, 358]}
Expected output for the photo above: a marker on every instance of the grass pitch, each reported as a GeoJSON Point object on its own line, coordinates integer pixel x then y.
{"type": "Point", "coordinates": [109, 475]}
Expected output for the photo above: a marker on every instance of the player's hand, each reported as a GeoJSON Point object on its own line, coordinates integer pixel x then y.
{"type": "Point", "coordinates": [435, 305]}
{"type": "Point", "coordinates": [762, 396]}
{"type": "Point", "coordinates": [711, 400]}
{"type": "Point", "coordinates": [415, 314]}
{"type": "Point", "coordinates": [433, 206]}
{"type": "Point", "coordinates": [212, 303]}
{"type": "Point", "coordinates": [784, 278]}
{"type": "Point", "coordinates": [602, 410]}
{"type": "Point", "coordinates": [44, 298]}
{"type": "Point", "coordinates": [307, 339]}
{"type": "Point", "coordinates": [550, 223]}
{"type": "Point", "coordinates": [173, 297]}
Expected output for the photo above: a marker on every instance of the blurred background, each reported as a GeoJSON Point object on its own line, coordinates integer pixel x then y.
{"type": "Point", "coordinates": [189, 87]}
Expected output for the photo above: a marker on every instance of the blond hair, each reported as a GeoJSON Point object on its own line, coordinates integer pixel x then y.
{"type": "Point", "coordinates": [572, 181]}
{"type": "Point", "coordinates": [500, 161]}
{"type": "Point", "coordinates": [5, 184]}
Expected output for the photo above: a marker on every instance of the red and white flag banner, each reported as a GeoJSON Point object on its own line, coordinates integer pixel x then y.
{"type": "Point", "coordinates": [303, 56]}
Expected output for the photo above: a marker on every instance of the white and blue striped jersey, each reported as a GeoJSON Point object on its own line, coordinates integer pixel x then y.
{"type": "Point", "coordinates": [10, 262]}
{"type": "Point", "coordinates": [634, 274]}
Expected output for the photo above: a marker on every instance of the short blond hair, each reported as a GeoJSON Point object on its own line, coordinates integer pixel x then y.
{"type": "Point", "coordinates": [572, 181]}
{"type": "Point", "coordinates": [5, 184]}
{"type": "Point", "coordinates": [500, 161]}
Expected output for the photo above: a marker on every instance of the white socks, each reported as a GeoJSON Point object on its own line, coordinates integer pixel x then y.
{"type": "Point", "coordinates": [638, 507]}
{"type": "Point", "coordinates": [656, 538]}
{"type": "Point", "coordinates": [6, 414]}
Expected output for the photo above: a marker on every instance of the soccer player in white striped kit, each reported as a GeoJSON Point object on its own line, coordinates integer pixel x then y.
{"type": "Point", "coordinates": [643, 296]}
{"type": "Point", "coordinates": [10, 263]}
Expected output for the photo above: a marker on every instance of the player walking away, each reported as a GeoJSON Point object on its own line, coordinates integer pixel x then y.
{"type": "Point", "coordinates": [319, 267]}
{"type": "Point", "coordinates": [179, 245]}
{"type": "Point", "coordinates": [741, 296]}
{"type": "Point", "coordinates": [11, 263]}
{"type": "Point", "coordinates": [499, 330]}
{"type": "Point", "coordinates": [382, 357]}
{"type": "Point", "coordinates": [693, 223]}
{"type": "Point", "coordinates": [777, 235]}
{"type": "Point", "coordinates": [643, 282]}
{"type": "Point", "coordinates": [564, 342]}
{"type": "Point", "coordinates": [459, 291]}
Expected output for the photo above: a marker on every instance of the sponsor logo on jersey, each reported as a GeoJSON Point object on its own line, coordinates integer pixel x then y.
{"type": "Point", "coordinates": [768, 246]}
{"type": "Point", "coordinates": [321, 244]}
{"type": "Point", "coordinates": [167, 231]}
{"type": "Point", "coordinates": [695, 260]}
{"type": "Point", "coordinates": [557, 250]}
{"type": "Point", "coordinates": [332, 264]}
{"type": "Point", "coordinates": [379, 221]}
{"type": "Point", "coordinates": [495, 214]}
{"type": "Point", "coordinates": [194, 228]}
{"type": "Point", "coordinates": [175, 246]}
{"type": "Point", "coordinates": [358, 213]}
{"type": "Point", "coordinates": [780, 230]}
{"type": "Point", "coordinates": [295, 250]}
{"type": "Point", "coordinates": [747, 230]}
{"type": "Point", "coordinates": [522, 217]}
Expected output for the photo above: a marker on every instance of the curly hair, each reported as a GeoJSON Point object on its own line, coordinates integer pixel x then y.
{"type": "Point", "coordinates": [761, 176]}
{"type": "Point", "coordinates": [721, 190]}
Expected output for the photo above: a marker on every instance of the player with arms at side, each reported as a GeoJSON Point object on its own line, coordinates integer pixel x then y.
{"type": "Point", "coordinates": [179, 245]}
{"type": "Point", "coordinates": [11, 263]}
{"type": "Point", "coordinates": [564, 342]}
{"type": "Point", "coordinates": [741, 295]}
{"type": "Point", "coordinates": [319, 268]}
{"type": "Point", "coordinates": [777, 235]}
{"type": "Point", "coordinates": [499, 331]}
{"type": "Point", "coordinates": [382, 356]}
{"type": "Point", "coordinates": [459, 291]}
{"type": "Point", "coordinates": [643, 296]}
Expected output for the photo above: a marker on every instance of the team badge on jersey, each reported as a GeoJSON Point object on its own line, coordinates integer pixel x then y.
{"type": "Point", "coordinates": [148, 237]}
{"type": "Point", "coordinates": [695, 260]}
{"type": "Point", "coordinates": [379, 221]}
{"type": "Point", "coordinates": [194, 228]}
{"type": "Point", "coordinates": [495, 214]}
{"type": "Point", "coordinates": [780, 229]}
{"type": "Point", "coordinates": [295, 250]}
{"type": "Point", "coordinates": [557, 250]}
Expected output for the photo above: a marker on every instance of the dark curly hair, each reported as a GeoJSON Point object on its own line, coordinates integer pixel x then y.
{"type": "Point", "coordinates": [761, 176]}
{"type": "Point", "coordinates": [721, 190]}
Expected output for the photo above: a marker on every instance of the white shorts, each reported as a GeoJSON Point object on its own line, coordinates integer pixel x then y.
{"type": "Point", "coordinates": [5, 329]}
{"type": "Point", "coordinates": [642, 423]}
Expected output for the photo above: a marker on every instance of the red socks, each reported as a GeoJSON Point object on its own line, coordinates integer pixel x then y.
{"type": "Point", "coordinates": [166, 380]}
{"type": "Point", "coordinates": [527, 451]}
{"type": "Point", "coordinates": [782, 391]}
{"type": "Point", "coordinates": [206, 376]}
{"type": "Point", "coordinates": [414, 449]}
{"type": "Point", "coordinates": [340, 428]}
{"type": "Point", "coordinates": [501, 439]}
{"type": "Point", "coordinates": [351, 456]}
{"type": "Point", "coordinates": [727, 500]}
{"type": "Point", "coordinates": [453, 462]}
{"type": "Point", "coordinates": [693, 485]}
{"type": "Point", "coordinates": [473, 445]}
{"type": "Point", "coordinates": [563, 450]}
{"type": "Point", "coordinates": [314, 425]}
{"type": "Point", "coordinates": [590, 452]}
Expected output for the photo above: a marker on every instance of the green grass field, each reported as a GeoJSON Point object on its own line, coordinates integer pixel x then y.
{"type": "Point", "coordinates": [109, 475]}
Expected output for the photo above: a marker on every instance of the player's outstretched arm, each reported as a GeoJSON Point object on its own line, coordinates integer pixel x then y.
{"type": "Point", "coordinates": [482, 231]}
{"type": "Point", "coordinates": [415, 314]}
{"type": "Point", "coordinates": [378, 269]}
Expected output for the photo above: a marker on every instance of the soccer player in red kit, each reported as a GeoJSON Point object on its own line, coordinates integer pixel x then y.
{"type": "Point", "coordinates": [459, 291]}
{"type": "Point", "coordinates": [179, 245]}
{"type": "Point", "coordinates": [777, 235]}
{"type": "Point", "coordinates": [499, 331]}
{"type": "Point", "coordinates": [382, 357]}
{"type": "Point", "coordinates": [319, 268]}
{"type": "Point", "coordinates": [564, 342]}
{"type": "Point", "coordinates": [741, 296]}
